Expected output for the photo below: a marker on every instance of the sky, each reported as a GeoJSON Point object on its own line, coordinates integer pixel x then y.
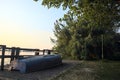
{"type": "Point", "coordinates": [28, 24]}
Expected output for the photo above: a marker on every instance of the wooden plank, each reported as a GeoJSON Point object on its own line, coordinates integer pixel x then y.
{"type": "Point", "coordinates": [8, 48]}
{"type": "Point", "coordinates": [27, 49]}
{"type": "Point", "coordinates": [9, 56]}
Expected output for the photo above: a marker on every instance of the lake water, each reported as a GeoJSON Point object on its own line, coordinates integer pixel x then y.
{"type": "Point", "coordinates": [7, 60]}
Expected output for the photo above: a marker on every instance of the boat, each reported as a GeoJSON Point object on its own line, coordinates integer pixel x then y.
{"type": "Point", "coordinates": [36, 63]}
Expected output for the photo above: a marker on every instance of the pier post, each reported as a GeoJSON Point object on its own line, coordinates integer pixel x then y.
{"type": "Point", "coordinates": [17, 53]}
{"type": "Point", "coordinates": [36, 53]}
{"type": "Point", "coordinates": [3, 55]}
{"type": "Point", "coordinates": [49, 52]}
{"type": "Point", "coordinates": [12, 53]}
{"type": "Point", "coordinates": [43, 51]}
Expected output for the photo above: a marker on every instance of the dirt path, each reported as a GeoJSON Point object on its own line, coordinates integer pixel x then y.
{"type": "Point", "coordinates": [39, 75]}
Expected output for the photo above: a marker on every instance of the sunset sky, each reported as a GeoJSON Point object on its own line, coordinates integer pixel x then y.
{"type": "Point", "coordinates": [25, 23]}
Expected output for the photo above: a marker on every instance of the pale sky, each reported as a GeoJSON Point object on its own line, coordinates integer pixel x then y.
{"type": "Point", "coordinates": [25, 23]}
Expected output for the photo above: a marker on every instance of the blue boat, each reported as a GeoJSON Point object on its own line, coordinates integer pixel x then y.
{"type": "Point", "coordinates": [36, 63]}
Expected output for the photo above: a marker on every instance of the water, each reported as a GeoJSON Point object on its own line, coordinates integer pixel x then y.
{"type": "Point", "coordinates": [7, 60]}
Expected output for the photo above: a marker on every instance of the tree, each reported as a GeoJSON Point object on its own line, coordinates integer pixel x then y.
{"type": "Point", "coordinates": [79, 32]}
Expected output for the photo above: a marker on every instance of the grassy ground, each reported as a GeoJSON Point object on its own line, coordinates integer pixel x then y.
{"type": "Point", "coordinates": [92, 70]}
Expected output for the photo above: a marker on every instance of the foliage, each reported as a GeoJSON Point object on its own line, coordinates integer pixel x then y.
{"type": "Point", "coordinates": [79, 33]}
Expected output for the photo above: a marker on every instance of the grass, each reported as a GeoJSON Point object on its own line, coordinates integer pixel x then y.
{"type": "Point", "coordinates": [92, 70]}
{"type": "Point", "coordinates": [109, 70]}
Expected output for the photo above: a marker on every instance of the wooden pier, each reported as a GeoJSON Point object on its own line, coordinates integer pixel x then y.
{"type": "Point", "coordinates": [15, 53]}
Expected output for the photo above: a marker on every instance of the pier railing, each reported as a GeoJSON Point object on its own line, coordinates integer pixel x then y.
{"type": "Point", "coordinates": [15, 53]}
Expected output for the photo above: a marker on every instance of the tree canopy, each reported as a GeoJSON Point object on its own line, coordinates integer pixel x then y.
{"type": "Point", "coordinates": [88, 29]}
